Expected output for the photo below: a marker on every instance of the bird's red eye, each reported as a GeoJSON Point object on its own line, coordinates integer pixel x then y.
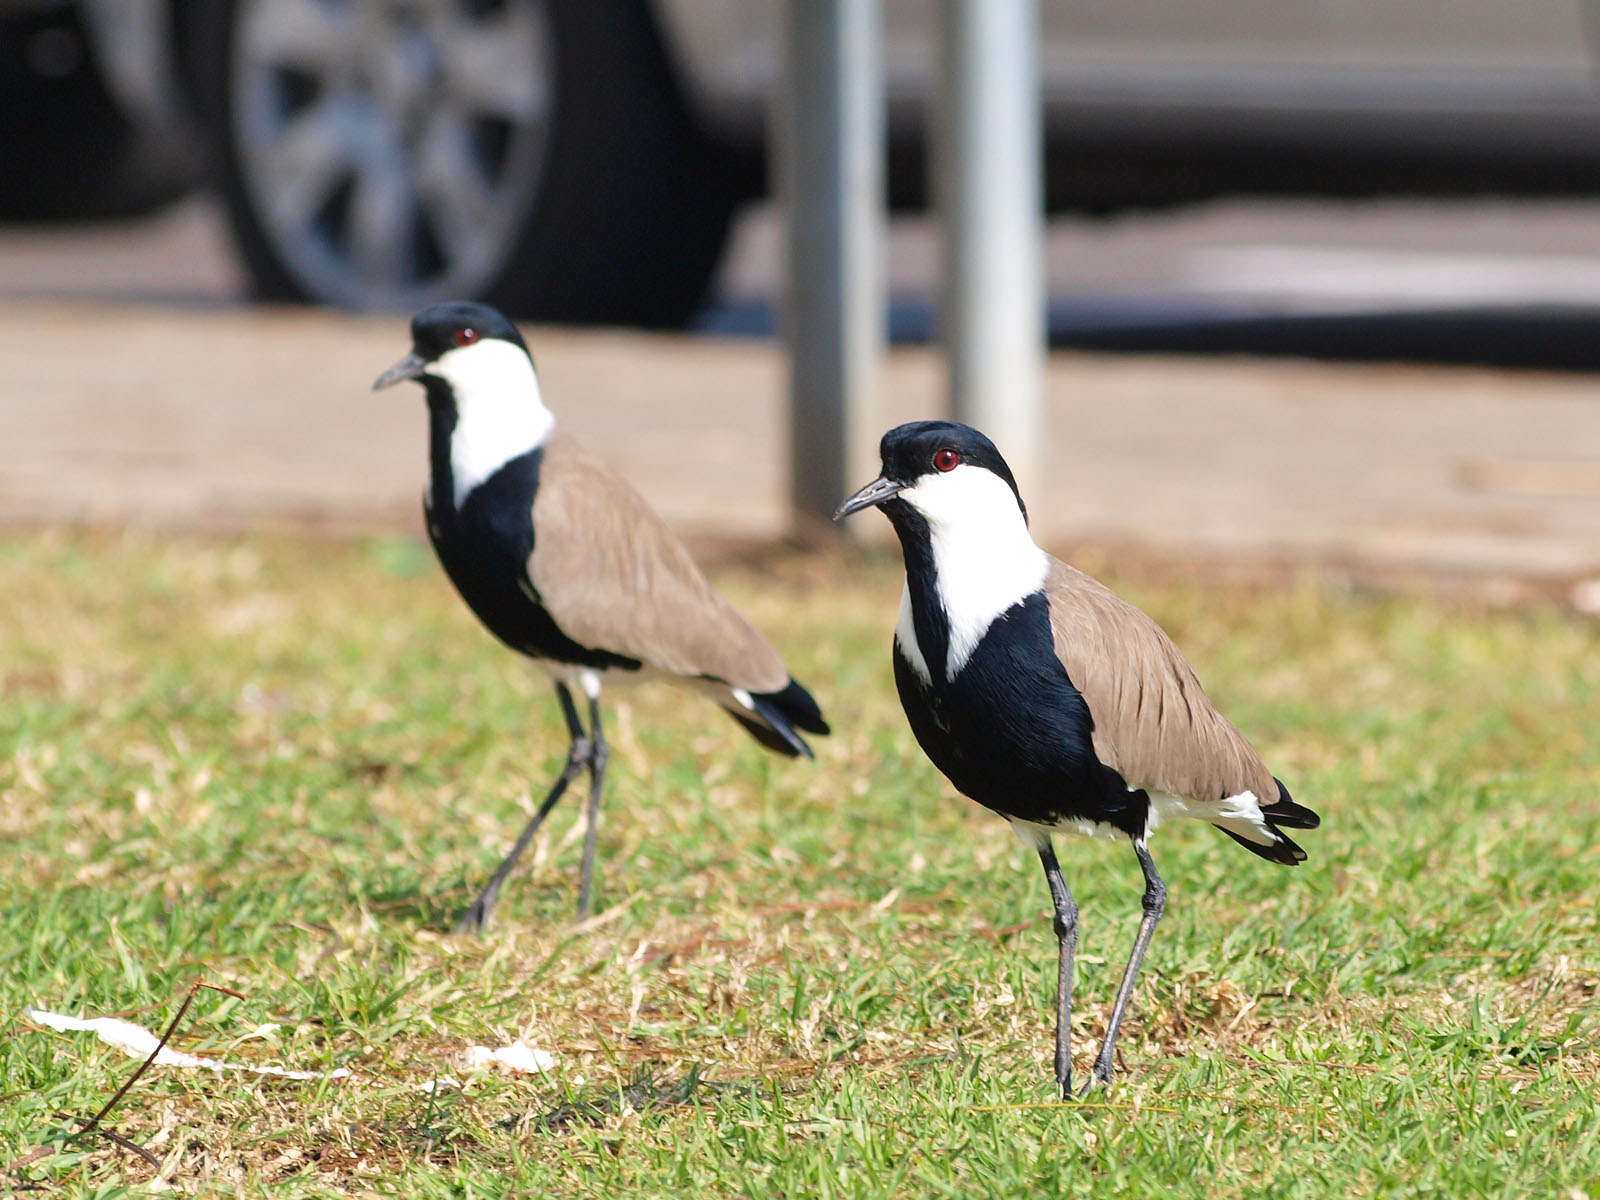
{"type": "Point", "coordinates": [465, 337]}
{"type": "Point", "coordinates": [946, 460]}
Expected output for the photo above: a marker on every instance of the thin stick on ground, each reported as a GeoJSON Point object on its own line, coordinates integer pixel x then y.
{"type": "Point", "coordinates": [172, 1027]}
{"type": "Point", "coordinates": [92, 1125]}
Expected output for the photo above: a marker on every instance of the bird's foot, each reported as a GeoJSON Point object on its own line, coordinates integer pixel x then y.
{"type": "Point", "coordinates": [1099, 1077]}
{"type": "Point", "coordinates": [476, 918]}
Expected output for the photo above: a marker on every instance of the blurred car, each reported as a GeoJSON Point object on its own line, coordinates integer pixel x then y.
{"type": "Point", "coordinates": [72, 144]}
{"type": "Point", "coordinates": [581, 160]}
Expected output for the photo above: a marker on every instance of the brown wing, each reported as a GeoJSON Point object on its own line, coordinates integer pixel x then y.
{"type": "Point", "coordinates": [614, 577]}
{"type": "Point", "coordinates": [1153, 722]}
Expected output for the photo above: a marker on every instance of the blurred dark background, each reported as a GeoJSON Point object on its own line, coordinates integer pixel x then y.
{"type": "Point", "coordinates": [1348, 178]}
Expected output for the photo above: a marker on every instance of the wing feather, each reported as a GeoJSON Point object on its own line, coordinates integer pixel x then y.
{"type": "Point", "coordinates": [614, 577]}
{"type": "Point", "coordinates": [1153, 722]}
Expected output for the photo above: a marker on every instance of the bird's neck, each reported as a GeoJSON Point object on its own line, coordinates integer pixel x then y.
{"type": "Point", "coordinates": [922, 633]}
{"type": "Point", "coordinates": [961, 576]}
{"type": "Point", "coordinates": [477, 430]}
{"type": "Point", "coordinates": [441, 494]}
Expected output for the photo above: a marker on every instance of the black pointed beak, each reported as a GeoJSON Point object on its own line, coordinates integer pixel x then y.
{"type": "Point", "coordinates": [876, 492]}
{"type": "Point", "coordinates": [409, 367]}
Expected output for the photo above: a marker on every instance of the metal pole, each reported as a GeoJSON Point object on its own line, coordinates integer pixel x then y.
{"type": "Point", "coordinates": [829, 167]}
{"type": "Point", "coordinates": [988, 147]}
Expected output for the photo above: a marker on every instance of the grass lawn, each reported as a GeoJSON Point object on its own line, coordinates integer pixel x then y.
{"type": "Point", "coordinates": [286, 765]}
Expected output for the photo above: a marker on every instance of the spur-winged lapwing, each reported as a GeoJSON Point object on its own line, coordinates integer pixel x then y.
{"type": "Point", "coordinates": [566, 563]}
{"type": "Point", "coordinates": [1047, 698]}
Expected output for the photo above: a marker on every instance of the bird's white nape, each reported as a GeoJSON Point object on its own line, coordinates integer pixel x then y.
{"type": "Point", "coordinates": [984, 558]}
{"type": "Point", "coordinates": [500, 414]}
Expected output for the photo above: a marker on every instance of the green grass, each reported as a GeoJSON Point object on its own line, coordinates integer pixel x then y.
{"type": "Point", "coordinates": [285, 766]}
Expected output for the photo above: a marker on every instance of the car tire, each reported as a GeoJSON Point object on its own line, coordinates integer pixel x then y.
{"type": "Point", "coordinates": [69, 152]}
{"type": "Point", "coordinates": [629, 207]}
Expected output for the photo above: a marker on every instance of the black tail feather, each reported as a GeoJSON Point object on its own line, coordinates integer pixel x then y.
{"type": "Point", "coordinates": [1281, 851]}
{"type": "Point", "coordinates": [1284, 811]}
{"type": "Point", "coordinates": [797, 706]}
{"type": "Point", "coordinates": [775, 717]}
{"type": "Point", "coordinates": [781, 712]}
{"type": "Point", "coordinates": [778, 737]}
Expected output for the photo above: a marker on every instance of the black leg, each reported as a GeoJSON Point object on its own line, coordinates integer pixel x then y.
{"type": "Point", "coordinates": [1066, 927]}
{"type": "Point", "coordinates": [1155, 899]}
{"type": "Point", "coordinates": [579, 756]}
{"type": "Point", "coordinates": [599, 755]}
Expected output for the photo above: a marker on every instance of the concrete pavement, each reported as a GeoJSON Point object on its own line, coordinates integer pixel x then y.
{"type": "Point", "coordinates": [229, 418]}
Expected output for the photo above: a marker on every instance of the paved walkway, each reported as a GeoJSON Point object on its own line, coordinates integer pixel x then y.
{"type": "Point", "coordinates": [233, 418]}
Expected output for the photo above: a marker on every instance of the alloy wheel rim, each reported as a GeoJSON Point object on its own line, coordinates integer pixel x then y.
{"type": "Point", "coordinates": [391, 148]}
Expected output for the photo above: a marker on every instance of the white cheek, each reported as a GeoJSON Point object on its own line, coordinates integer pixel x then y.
{"type": "Point", "coordinates": [500, 414]}
{"type": "Point", "coordinates": [984, 558]}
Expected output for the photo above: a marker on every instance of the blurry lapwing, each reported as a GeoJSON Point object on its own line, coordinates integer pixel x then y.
{"type": "Point", "coordinates": [1047, 698]}
{"type": "Point", "coordinates": [566, 563]}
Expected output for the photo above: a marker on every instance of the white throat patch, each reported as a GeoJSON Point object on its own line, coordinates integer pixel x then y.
{"type": "Point", "coordinates": [984, 558]}
{"type": "Point", "coordinates": [500, 414]}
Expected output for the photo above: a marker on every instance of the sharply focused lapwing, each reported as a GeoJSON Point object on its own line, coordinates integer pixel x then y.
{"type": "Point", "coordinates": [1047, 698]}
{"type": "Point", "coordinates": [565, 562]}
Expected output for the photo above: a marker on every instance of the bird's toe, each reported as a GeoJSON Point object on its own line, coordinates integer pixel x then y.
{"type": "Point", "coordinates": [475, 919]}
{"type": "Point", "coordinates": [1098, 1078]}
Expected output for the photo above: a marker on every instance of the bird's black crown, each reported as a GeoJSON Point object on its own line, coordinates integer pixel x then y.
{"type": "Point", "coordinates": [914, 450]}
{"type": "Point", "coordinates": [438, 329]}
